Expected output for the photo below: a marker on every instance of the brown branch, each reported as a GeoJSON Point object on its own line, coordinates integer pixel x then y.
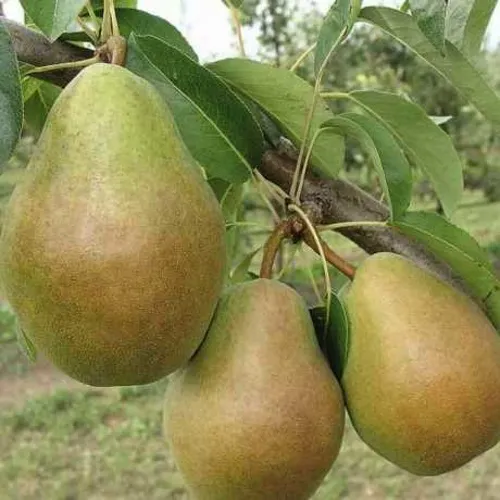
{"type": "Point", "coordinates": [333, 258]}
{"type": "Point", "coordinates": [35, 49]}
{"type": "Point", "coordinates": [328, 201]}
{"type": "Point", "coordinates": [272, 247]}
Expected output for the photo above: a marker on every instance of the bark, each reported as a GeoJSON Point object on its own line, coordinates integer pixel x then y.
{"type": "Point", "coordinates": [35, 49]}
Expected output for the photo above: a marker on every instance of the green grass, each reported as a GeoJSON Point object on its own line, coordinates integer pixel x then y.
{"type": "Point", "coordinates": [88, 444]}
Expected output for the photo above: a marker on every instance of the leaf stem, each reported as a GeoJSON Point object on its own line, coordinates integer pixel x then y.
{"type": "Point", "coordinates": [345, 225]}
{"type": "Point", "coordinates": [115, 29]}
{"type": "Point", "coordinates": [247, 224]}
{"type": "Point", "coordinates": [311, 232]}
{"type": "Point", "coordinates": [302, 57]}
{"type": "Point", "coordinates": [307, 160]}
{"type": "Point", "coordinates": [107, 28]}
{"type": "Point", "coordinates": [272, 247]}
{"type": "Point", "coordinates": [235, 16]}
{"type": "Point", "coordinates": [336, 95]}
{"type": "Point", "coordinates": [69, 65]}
{"type": "Point", "coordinates": [307, 130]}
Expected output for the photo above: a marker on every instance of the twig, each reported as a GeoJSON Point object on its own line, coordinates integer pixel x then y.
{"type": "Point", "coordinates": [272, 247]}
{"type": "Point", "coordinates": [333, 258]}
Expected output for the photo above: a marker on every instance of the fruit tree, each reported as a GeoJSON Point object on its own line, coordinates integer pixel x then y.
{"type": "Point", "coordinates": [123, 255]}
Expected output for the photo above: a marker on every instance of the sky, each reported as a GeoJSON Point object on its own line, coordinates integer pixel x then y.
{"type": "Point", "coordinates": [206, 25]}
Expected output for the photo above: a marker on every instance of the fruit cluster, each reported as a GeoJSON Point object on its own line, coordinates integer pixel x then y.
{"type": "Point", "coordinates": [112, 254]}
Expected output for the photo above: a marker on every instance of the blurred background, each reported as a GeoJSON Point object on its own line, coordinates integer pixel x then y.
{"type": "Point", "coordinates": [63, 440]}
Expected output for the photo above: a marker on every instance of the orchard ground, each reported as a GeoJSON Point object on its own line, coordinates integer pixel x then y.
{"type": "Point", "coordinates": [62, 440]}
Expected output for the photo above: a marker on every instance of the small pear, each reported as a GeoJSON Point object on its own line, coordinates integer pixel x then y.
{"type": "Point", "coordinates": [422, 376]}
{"type": "Point", "coordinates": [112, 251]}
{"type": "Point", "coordinates": [257, 413]}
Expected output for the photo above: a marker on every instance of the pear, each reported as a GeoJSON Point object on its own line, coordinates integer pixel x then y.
{"type": "Point", "coordinates": [257, 413]}
{"type": "Point", "coordinates": [112, 251]}
{"type": "Point", "coordinates": [422, 376]}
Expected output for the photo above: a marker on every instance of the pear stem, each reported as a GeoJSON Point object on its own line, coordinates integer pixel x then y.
{"type": "Point", "coordinates": [282, 231]}
{"type": "Point", "coordinates": [332, 257]}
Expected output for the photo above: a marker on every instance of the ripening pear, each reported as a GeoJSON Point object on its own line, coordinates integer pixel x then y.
{"type": "Point", "coordinates": [257, 413]}
{"type": "Point", "coordinates": [422, 376]}
{"type": "Point", "coordinates": [112, 250]}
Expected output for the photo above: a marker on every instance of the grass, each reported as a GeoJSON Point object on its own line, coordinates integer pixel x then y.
{"type": "Point", "coordinates": [89, 444]}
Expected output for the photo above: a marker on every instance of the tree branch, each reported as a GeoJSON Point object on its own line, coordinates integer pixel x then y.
{"type": "Point", "coordinates": [326, 201]}
{"type": "Point", "coordinates": [35, 49]}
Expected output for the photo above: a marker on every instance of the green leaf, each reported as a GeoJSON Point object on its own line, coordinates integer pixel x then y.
{"type": "Point", "coordinates": [396, 173]}
{"type": "Point", "coordinates": [38, 105]}
{"type": "Point", "coordinates": [29, 87]}
{"type": "Point", "coordinates": [128, 4]}
{"type": "Point", "coordinates": [460, 251]}
{"type": "Point", "coordinates": [235, 3]}
{"type": "Point", "coordinates": [492, 304]}
{"type": "Point", "coordinates": [466, 23]}
{"type": "Point", "coordinates": [241, 271]}
{"type": "Point", "coordinates": [335, 27]}
{"type": "Point", "coordinates": [286, 98]}
{"type": "Point", "coordinates": [335, 345]}
{"type": "Point", "coordinates": [216, 126]}
{"type": "Point", "coordinates": [427, 146]}
{"type": "Point", "coordinates": [344, 125]}
{"type": "Point", "coordinates": [455, 67]}
{"type": "Point", "coordinates": [52, 16]}
{"type": "Point", "coordinates": [430, 16]}
{"type": "Point", "coordinates": [143, 23]}
{"type": "Point", "coordinates": [26, 344]}
{"type": "Point", "coordinates": [11, 99]}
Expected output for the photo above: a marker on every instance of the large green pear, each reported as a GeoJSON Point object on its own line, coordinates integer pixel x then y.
{"type": "Point", "coordinates": [422, 377]}
{"type": "Point", "coordinates": [112, 249]}
{"type": "Point", "coordinates": [257, 413]}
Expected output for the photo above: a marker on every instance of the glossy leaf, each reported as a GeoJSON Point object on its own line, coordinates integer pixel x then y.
{"type": "Point", "coordinates": [286, 98]}
{"type": "Point", "coordinates": [52, 16]}
{"type": "Point", "coordinates": [350, 125]}
{"type": "Point", "coordinates": [335, 27]}
{"type": "Point", "coordinates": [427, 146]}
{"type": "Point", "coordinates": [143, 23]}
{"type": "Point", "coordinates": [466, 23]}
{"type": "Point", "coordinates": [395, 166]}
{"type": "Point", "coordinates": [38, 105]}
{"type": "Point", "coordinates": [11, 100]}
{"type": "Point", "coordinates": [216, 126]}
{"type": "Point", "coordinates": [241, 271]}
{"type": "Point", "coordinates": [430, 16]}
{"type": "Point", "coordinates": [335, 345]}
{"type": "Point", "coordinates": [460, 251]}
{"type": "Point", "coordinates": [455, 67]}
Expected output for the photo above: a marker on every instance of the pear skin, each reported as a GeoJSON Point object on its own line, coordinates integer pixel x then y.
{"type": "Point", "coordinates": [257, 413]}
{"type": "Point", "coordinates": [422, 376]}
{"type": "Point", "coordinates": [112, 252]}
